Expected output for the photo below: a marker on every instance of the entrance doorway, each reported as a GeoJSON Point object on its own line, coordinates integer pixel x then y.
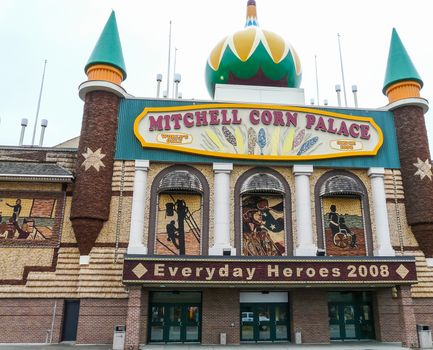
{"type": "Point", "coordinates": [70, 320]}
{"type": "Point", "coordinates": [350, 315]}
{"type": "Point", "coordinates": [175, 317]}
{"type": "Point", "coordinates": [264, 322]}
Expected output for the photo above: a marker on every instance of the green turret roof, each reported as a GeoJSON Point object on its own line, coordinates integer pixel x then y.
{"type": "Point", "coordinates": [400, 66]}
{"type": "Point", "coordinates": [108, 49]}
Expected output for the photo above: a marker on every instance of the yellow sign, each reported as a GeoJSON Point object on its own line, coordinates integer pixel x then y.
{"type": "Point", "coordinates": [265, 132]}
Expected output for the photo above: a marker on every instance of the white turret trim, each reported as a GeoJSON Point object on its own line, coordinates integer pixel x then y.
{"type": "Point", "coordinates": [101, 85]}
{"type": "Point", "coordinates": [412, 101]}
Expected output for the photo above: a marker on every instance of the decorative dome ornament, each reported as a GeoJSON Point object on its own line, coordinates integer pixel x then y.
{"type": "Point", "coordinates": [253, 56]}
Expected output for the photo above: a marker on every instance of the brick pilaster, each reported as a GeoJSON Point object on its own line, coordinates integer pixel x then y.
{"type": "Point", "coordinates": [221, 314]}
{"type": "Point", "coordinates": [133, 318]}
{"type": "Point", "coordinates": [310, 315]}
{"type": "Point", "coordinates": [409, 336]}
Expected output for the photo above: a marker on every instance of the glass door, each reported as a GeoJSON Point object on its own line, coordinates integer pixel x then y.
{"type": "Point", "coordinates": [264, 322]}
{"type": "Point", "coordinates": [157, 323]}
{"type": "Point", "coordinates": [192, 323]}
{"type": "Point", "coordinates": [175, 317]}
{"type": "Point", "coordinates": [281, 321]}
{"type": "Point", "coordinates": [350, 321]}
{"type": "Point", "coordinates": [248, 324]}
{"type": "Point", "coordinates": [175, 323]}
{"type": "Point", "coordinates": [366, 326]}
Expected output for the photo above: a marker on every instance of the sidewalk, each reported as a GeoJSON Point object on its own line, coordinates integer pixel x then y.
{"type": "Point", "coordinates": [285, 346]}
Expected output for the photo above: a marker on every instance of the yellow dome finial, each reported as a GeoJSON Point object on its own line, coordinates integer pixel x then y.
{"type": "Point", "coordinates": [251, 14]}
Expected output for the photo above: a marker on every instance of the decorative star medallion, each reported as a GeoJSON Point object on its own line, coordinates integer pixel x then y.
{"type": "Point", "coordinates": [93, 159]}
{"type": "Point", "coordinates": [424, 169]}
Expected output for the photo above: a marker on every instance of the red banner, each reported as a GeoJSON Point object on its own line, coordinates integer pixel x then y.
{"type": "Point", "coordinates": [280, 271]}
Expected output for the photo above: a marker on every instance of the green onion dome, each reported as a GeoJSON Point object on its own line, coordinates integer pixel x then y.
{"type": "Point", "coordinates": [253, 56]}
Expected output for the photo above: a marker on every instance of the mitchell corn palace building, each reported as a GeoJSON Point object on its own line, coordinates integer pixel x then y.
{"type": "Point", "coordinates": [250, 217]}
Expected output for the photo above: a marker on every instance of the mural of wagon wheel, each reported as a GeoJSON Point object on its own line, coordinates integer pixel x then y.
{"type": "Point", "coordinates": [341, 240]}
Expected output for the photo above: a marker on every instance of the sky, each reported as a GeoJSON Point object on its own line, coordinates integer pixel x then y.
{"type": "Point", "coordinates": [65, 33]}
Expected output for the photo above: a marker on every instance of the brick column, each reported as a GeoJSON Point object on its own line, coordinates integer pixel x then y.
{"type": "Point", "coordinates": [221, 314]}
{"type": "Point", "coordinates": [310, 315]}
{"type": "Point", "coordinates": [133, 318]}
{"type": "Point", "coordinates": [409, 337]}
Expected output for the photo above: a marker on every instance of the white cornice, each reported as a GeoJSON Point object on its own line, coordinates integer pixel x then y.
{"type": "Point", "coordinates": [413, 101]}
{"type": "Point", "coordinates": [101, 85]}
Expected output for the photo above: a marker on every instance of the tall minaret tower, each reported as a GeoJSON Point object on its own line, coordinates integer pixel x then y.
{"type": "Point", "coordinates": [402, 86]}
{"type": "Point", "coordinates": [94, 170]}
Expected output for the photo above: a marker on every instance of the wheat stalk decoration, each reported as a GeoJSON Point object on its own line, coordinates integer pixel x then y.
{"type": "Point", "coordinates": [261, 141]}
{"type": "Point", "coordinates": [230, 137]}
{"type": "Point", "coordinates": [252, 139]}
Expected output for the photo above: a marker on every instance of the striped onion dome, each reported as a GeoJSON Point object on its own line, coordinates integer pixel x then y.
{"type": "Point", "coordinates": [253, 56]}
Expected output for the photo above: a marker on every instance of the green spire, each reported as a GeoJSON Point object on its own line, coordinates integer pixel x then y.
{"type": "Point", "coordinates": [400, 66]}
{"type": "Point", "coordinates": [108, 49]}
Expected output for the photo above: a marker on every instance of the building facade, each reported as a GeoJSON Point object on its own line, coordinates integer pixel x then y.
{"type": "Point", "coordinates": [247, 218]}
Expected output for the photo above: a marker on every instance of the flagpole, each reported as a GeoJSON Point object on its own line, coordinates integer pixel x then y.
{"type": "Point", "coordinates": [317, 80]}
{"type": "Point", "coordinates": [342, 71]}
{"type": "Point", "coordinates": [168, 67]}
{"type": "Point", "coordinates": [39, 104]}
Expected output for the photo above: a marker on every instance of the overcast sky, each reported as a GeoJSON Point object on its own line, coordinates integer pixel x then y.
{"type": "Point", "coordinates": [65, 33]}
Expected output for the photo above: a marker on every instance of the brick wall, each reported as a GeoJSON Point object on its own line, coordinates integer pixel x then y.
{"type": "Point", "coordinates": [423, 308]}
{"type": "Point", "coordinates": [97, 319]}
{"type": "Point", "coordinates": [28, 320]}
{"type": "Point", "coordinates": [386, 316]}
{"type": "Point", "coordinates": [221, 309]}
{"type": "Point", "coordinates": [309, 309]}
{"type": "Point", "coordinates": [144, 316]}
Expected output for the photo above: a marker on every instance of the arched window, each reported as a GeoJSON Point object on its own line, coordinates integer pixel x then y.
{"type": "Point", "coordinates": [342, 215]}
{"type": "Point", "coordinates": [179, 212]}
{"type": "Point", "coordinates": [262, 214]}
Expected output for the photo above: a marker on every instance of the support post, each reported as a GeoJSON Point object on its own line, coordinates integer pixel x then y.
{"type": "Point", "coordinates": [384, 246]}
{"type": "Point", "coordinates": [222, 210]}
{"type": "Point", "coordinates": [407, 318]}
{"type": "Point", "coordinates": [304, 226]}
{"type": "Point", "coordinates": [136, 245]}
{"type": "Point", "coordinates": [133, 319]}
